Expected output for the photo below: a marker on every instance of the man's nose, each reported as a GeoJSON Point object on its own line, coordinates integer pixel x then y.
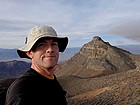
{"type": "Point", "coordinates": [49, 49]}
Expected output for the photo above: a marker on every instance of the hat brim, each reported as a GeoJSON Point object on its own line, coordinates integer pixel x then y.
{"type": "Point", "coordinates": [62, 44]}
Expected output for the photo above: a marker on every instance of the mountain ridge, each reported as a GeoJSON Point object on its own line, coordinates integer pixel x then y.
{"type": "Point", "coordinates": [101, 74]}
{"type": "Point", "coordinates": [98, 58]}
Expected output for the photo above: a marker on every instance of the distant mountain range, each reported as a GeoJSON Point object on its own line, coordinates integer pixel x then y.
{"type": "Point", "coordinates": [134, 49]}
{"type": "Point", "coordinates": [13, 68]}
{"type": "Point", "coordinates": [11, 54]}
{"type": "Point", "coordinates": [8, 54]}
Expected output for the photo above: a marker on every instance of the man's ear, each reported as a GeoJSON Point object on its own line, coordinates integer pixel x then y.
{"type": "Point", "coordinates": [29, 54]}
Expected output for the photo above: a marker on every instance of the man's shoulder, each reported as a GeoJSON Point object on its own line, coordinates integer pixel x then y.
{"type": "Point", "coordinates": [23, 80]}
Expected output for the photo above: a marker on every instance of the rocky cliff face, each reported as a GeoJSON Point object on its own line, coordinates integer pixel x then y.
{"type": "Point", "coordinates": [97, 58]}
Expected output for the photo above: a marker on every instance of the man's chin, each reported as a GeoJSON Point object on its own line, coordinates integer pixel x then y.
{"type": "Point", "coordinates": [51, 68]}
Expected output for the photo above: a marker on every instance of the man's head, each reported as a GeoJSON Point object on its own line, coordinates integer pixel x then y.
{"type": "Point", "coordinates": [40, 32]}
{"type": "Point", "coordinates": [42, 46]}
{"type": "Point", "coordinates": [44, 54]}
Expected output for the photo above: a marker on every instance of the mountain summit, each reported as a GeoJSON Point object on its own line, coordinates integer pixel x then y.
{"type": "Point", "coordinates": [97, 58]}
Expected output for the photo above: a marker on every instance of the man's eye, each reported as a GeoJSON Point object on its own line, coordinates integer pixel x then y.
{"type": "Point", "coordinates": [54, 44]}
{"type": "Point", "coordinates": [41, 45]}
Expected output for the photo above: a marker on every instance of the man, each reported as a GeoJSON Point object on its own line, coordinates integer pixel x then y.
{"type": "Point", "coordinates": [39, 86]}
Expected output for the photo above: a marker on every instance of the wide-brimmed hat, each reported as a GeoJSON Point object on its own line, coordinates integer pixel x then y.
{"type": "Point", "coordinates": [38, 32]}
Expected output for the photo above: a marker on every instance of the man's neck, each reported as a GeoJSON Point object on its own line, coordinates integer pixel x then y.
{"type": "Point", "coordinates": [44, 71]}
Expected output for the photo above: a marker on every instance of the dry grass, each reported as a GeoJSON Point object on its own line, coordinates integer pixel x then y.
{"type": "Point", "coordinates": [116, 89]}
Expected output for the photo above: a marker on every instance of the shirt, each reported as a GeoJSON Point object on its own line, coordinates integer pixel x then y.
{"type": "Point", "coordinates": [35, 89]}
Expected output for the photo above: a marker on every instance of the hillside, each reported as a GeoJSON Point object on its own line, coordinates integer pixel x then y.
{"type": "Point", "coordinates": [116, 89]}
{"type": "Point", "coordinates": [13, 68]}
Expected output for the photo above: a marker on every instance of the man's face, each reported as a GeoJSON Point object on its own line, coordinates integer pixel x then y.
{"type": "Point", "coordinates": [46, 54]}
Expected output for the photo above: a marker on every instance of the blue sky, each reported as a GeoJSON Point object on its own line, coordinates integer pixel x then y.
{"type": "Point", "coordinates": [115, 21]}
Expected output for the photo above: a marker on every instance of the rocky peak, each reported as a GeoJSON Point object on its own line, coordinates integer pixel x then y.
{"type": "Point", "coordinates": [95, 48]}
{"type": "Point", "coordinates": [98, 58]}
{"type": "Point", "coordinates": [97, 38]}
